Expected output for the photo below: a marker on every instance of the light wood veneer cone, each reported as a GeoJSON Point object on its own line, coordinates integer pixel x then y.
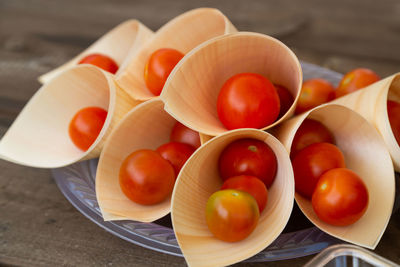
{"type": "Point", "coordinates": [39, 136]}
{"type": "Point", "coordinates": [366, 154]}
{"type": "Point", "coordinates": [371, 103]}
{"type": "Point", "coordinates": [120, 44]}
{"type": "Point", "coordinates": [182, 33]}
{"type": "Point", "coordinates": [199, 179]}
{"type": "Point", "coordinates": [190, 93]}
{"type": "Point", "coordinates": [147, 126]}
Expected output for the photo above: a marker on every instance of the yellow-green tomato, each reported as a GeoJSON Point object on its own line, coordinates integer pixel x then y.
{"type": "Point", "coordinates": [231, 214]}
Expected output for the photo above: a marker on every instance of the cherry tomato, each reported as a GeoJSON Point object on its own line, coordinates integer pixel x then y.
{"type": "Point", "coordinates": [146, 178]}
{"type": "Point", "coordinates": [314, 92]}
{"type": "Point", "coordinates": [356, 79]}
{"type": "Point", "coordinates": [251, 185]}
{"type": "Point", "coordinates": [183, 134]}
{"type": "Point", "coordinates": [158, 68]}
{"type": "Point", "coordinates": [102, 61]}
{"type": "Point", "coordinates": [311, 162]}
{"type": "Point", "coordinates": [394, 118]}
{"type": "Point", "coordinates": [340, 197]}
{"type": "Point", "coordinates": [247, 100]}
{"type": "Point", "coordinates": [231, 215]}
{"type": "Point", "coordinates": [86, 125]}
{"type": "Point", "coordinates": [285, 98]}
{"type": "Point", "coordinates": [310, 132]}
{"type": "Point", "coordinates": [248, 157]}
{"type": "Point", "coordinates": [176, 153]}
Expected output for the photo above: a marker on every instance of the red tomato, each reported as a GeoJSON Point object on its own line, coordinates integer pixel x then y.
{"type": "Point", "coordinates": [176, 153]}
{"type": "Point", "coordinates": [251, 185]}
{"type": "Point", "coordinates": [314, 92]}
{"type": "Point", "coordinates": [248, 157]}
{"type": "Point", "coordinates": [340, 197]}
{"type": "Point", "coordinates": [183, 134]}
{"type": "Point", "coordinates": [231, 215]}
{"type": "Point", "coordinates": [310, 132]}
{"type": "Point", "coordinates": [86, 125]}
{"type": "Point", "coordinates": [354, 80]}
{"type": "Point", "coordinates": [102, 61]}
{"type": "Point", "coordinates": [247, 100]}
{"type": "Point", "coordinates": [285, 97]}
{"type": "Point", "coordinates": [158, 68]}
{"type": "Point", "coordinates": [146, 178]}
{"type": "Point", "coordinates": [394, 118]}
{"type": "Point", "coordinates": [311, 162]}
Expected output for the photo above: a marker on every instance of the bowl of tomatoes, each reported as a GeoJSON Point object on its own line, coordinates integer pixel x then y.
{"type": "Point", "coordinates": [230, 194]}
{"type": "Point", "coordinates": [299, 238]}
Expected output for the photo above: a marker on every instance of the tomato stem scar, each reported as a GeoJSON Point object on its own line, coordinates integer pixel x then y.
{"type": "Point", "coordinates": [252, 148]}
{"type": "Point", "coordinates": [324, 186]}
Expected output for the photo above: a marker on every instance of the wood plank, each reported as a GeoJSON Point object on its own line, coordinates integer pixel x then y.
{"type": "Point", "coordinates": [38, 226]}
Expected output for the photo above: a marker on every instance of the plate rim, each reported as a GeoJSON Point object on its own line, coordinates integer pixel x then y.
{"type": "Point", "coordinates": [117, 228]}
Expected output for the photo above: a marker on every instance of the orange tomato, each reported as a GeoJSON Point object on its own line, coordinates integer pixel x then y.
{"type": "Point", "coordinates": [285, 97]}
{"type": "Point", "coordinates": [146, 178]}
{"type": "Point", "coordinates": [251, 185]}
{"type": "Point", "coordinates": [314, 92]}
{"type": "Point", "coordinates": [394, 118]}
{"type": "Point", "coordinates": [102, 61]}
{"type": "Point", "coordinates": [231, 215]}
{"type": "Point", "coordinates": [86, 125]}
{"type": "Point", "coordinates": [340, 197]}
{"type": "Point", "coordinates": [310, 132]}
{"type": "Point", "coordinates": [247, 100]}
{"type": "Point", "coordinates": [311, 162]}
{"type": "Point", "coordinates": [158, 68]}
{"type": "Point", "coordinates": [355, 80]}
{"type": "Point", "coordinates": [183, 134]}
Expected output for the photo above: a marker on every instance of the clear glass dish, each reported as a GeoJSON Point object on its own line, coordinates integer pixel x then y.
{"type": "Point", "coordinates": [348, 255]}
{"type": "Point", "coordinates": [299, 238]}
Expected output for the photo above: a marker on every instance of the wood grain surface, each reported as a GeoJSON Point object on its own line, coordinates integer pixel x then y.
{"type": "Point", "coordinates": [38, 226]}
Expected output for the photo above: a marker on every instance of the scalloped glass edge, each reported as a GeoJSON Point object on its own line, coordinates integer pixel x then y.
{"type": "Point", "coordinates": [77, 183]}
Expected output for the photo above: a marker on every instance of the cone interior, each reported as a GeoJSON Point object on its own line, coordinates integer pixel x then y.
{"type": "Point", "coordinates": [39, 136]}
{"type": "Point", "coordinates": [192, 89]}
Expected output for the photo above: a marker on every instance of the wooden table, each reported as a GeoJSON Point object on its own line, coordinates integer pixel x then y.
{"type": "Point", "coordinates": [38, 226]}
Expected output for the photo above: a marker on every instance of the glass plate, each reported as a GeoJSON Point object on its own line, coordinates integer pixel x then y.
{"type": "Point", "coordinates": [299, 238]}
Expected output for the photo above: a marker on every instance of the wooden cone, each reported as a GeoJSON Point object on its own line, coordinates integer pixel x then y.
{"type": "Point", "coordinates": [199, 179]}
{"type": "Point", "coordinates": [145, 127]}
{"type": "Point", "coordinates": [39, 136]}
{"type": "Point", "coordinates": [366, 154]}
{"type": "Point", "coordinates": [371, 103]}
{"type": "Point", "coordinates": [183, 33]}
{"type": "Point", "coordinates": [120, 44]}
{"type": "Point", "coordinates": [190, 94]}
